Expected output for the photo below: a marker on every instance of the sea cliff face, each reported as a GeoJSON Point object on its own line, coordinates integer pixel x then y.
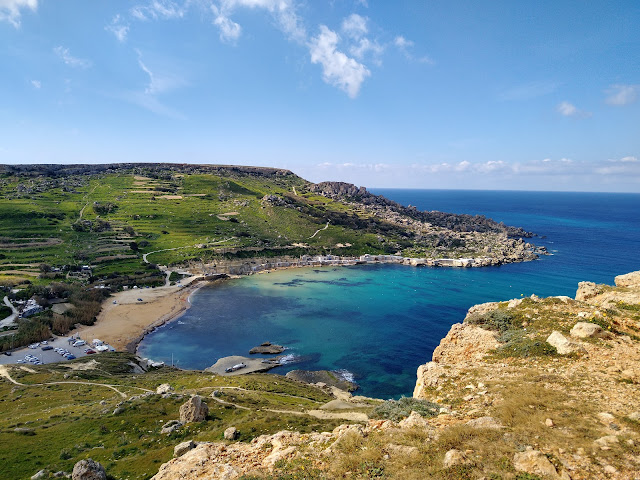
{"type": "Point", "coordinates": [561, 376]}
{"type": "Point", "coordinates": [528, 388]}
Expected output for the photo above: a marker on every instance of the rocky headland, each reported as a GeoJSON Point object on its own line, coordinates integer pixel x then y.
{"type": "Point", "coordinates": [536, 388]}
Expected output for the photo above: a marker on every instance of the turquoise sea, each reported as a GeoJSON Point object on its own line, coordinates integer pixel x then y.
{"type": "Point", "coordinates": [377, 323]}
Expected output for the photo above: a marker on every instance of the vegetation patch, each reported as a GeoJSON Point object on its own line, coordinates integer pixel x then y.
{"type": "Point", "coordinates": [396, 410]}
{"type": "Point", "coordinates": [495, 320]}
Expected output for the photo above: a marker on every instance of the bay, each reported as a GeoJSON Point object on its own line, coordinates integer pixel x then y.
{"type": "Point", "coordinates": [378, 323]}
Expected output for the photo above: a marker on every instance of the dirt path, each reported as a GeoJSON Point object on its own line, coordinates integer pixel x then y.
{"type": "Point", "coordinates": [319, 230]}
{"type": "Point", "coordinates": [4, 372]}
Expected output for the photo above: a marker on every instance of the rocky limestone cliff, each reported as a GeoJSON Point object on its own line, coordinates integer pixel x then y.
{"type": "Point", "coordinates": [511, 404]}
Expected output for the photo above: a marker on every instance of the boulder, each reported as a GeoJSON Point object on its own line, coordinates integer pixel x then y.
{"type": "Point", "coordinates": [193, 410]}
{"type": "Point", "coordinates": [628, 280]}
{"type": "Point", "coordinates": [563, 346]}
{"type": "Point", "coordinates": [485, 422]}
{"type": "Point", "coordinates": [170, 426]}
{"type": "Point", "coordinates": [534, 462]}
{"type": "Point", "coordinates": [231, 433]}
{"type": "Point", "coordinates": [164, 388]}
{"type": "Point", "coordinates": [415, 420]}
{"type": "Point", "coordinates": [586, 330]}
{"type": "Point", "coordinates": [400, 451]}
{"type": "Point", "coordinates": [454, 457]}
{"type": "Point", "coordinates": [183, 448]}
{"type": "Point", "coordinates": [88, 470]}
{"type": "Point", "coordinates": [635, 416]}
{"type": "Point", "coordinates": [40, 474]}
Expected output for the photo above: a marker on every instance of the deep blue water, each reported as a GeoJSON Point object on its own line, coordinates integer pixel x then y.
{"type": "Point", "coordinates": [380, 322]}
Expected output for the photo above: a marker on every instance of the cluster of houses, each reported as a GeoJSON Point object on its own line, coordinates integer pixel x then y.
{"type": "Point", "coordinates": [329, 260]}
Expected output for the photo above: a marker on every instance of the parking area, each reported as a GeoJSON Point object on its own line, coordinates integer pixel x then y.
{"type": "Point", "coordinates": [56, 349]}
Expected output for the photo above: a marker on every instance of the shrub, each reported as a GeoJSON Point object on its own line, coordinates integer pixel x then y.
{"type": "Point", "coordinates": [497, 320]}
{"type": "Point", "coordinates": [398, 409]}
{"type": "Point", "coordinates": [517, 344]}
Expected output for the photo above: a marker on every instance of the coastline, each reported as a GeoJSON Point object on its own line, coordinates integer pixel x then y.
{"type": "Point", "coordinates": [124, 324]}
{"type": "Point", "coordinates": [128, 316]}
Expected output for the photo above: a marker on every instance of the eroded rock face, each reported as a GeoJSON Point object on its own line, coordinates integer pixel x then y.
{"type": "Point", "coordinates": [88, 470]}
{"type": "Point", "coordinates": [193, 410]}
{"type": "Point", "coordinates": [587, 290]}
{"type": "Point", "coordinates": [628, 280]}
{"type": "Point", "coordinates": [465, 343]}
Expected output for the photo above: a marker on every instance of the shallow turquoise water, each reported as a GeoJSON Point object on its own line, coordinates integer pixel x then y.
{"type": "Point", "coordinates": [378, 323]}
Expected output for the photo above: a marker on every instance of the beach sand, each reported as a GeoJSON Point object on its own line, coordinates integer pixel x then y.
{"type": "Point", "coordinates": [123, 324]}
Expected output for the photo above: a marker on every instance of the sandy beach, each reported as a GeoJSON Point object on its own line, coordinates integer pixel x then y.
{"type": "Point", "coordinates": [125, 319]}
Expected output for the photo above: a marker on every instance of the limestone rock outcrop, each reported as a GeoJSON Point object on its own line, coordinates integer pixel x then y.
{"type": "Point", "coordinates": [88, 470]}
{"type": "Point", "coordinates": [194, 410]}
{"type": "Point", "coordinates": [628, 280]}
{"type": "Point", "coordinates": [466, 343]}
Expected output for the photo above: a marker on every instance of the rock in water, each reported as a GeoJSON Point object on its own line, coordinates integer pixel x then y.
{"type": "Point", "coordinates": [88, 470]}
{"type": "Point", "coordinates": [324, 376]}
{"type": "Point", "coordinates": [268, 348]}
{"type": "Point", "coordinates": [193, 410]}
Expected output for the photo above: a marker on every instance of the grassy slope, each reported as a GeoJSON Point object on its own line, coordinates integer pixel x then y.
{"type": "Point", "coordinates": [72, 421]}
{"type": "Point", "coordinates": [163, 222]}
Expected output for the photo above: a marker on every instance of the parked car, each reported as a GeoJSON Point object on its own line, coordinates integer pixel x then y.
{"type": "Point", "coordinates": [8, 354]}
{"type": "Point", "coordinates": [79, 343]}
{"type": "Point", "coordinates": [71, 357]}
{"type": "Point", "coordinates": [89, 351]}
{"type": "Point", "coordinates": [47, 347]}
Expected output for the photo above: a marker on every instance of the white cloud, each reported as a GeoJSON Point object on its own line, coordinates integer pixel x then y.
{"type": "Point", "coordinates": [404, 45]}
{"type": "Point", "coordinates": [620, 95]}
{"type": "Point", "coordinates": [283, 10]}
{"type": "Point", "coordinates": [159, 9]}
{"type": "Point", "coordinates": [118, 28]}
{"type": "Point", "coordinates": [229, 30]}
{"type": "Point", "coordinates": [628, 159]}
{"type": "Point", "coordinates": [337, 68]}
{"type": "Point", "coordinates": [566, 109]}
{"type": "Point", "coordinates": [10, 10]}
{"type": "Point", "coordinates": [65, 55]}
{"type": "Point", "coordinates": [160, 83]}
{"type": "Point", "coordinates": [569, 110]}
{"type": "Point", "coordinates": [36, 84]}
{"type": "Point", "coordinates": [355, 26]}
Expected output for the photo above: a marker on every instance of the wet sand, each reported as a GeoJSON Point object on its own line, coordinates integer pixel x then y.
{"type": "Point", "coordinates": [123, 324]}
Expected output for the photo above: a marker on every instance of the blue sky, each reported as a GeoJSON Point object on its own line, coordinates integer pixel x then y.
{"type": "Point", "coordinates": [540, 95]}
